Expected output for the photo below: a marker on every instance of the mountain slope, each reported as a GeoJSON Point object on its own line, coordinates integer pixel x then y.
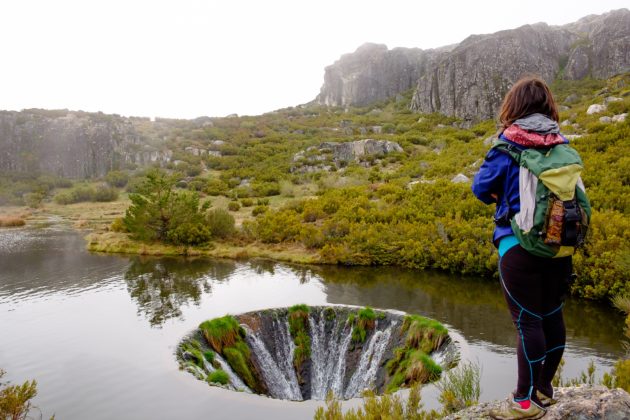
{"type": "Point", "coordinates": [468, 80]}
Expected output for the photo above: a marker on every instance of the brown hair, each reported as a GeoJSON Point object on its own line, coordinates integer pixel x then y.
{"type": "Point", "coordinates": [529, 95]}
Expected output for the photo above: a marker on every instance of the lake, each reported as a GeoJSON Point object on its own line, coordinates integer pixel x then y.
{"type": "Point", "coordinates": [98, 332]}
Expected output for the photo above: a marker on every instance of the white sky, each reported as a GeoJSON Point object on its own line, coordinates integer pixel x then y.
{"type": "Point", "coordinates": [188, 58]}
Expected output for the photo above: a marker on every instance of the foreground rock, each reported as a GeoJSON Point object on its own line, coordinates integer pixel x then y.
{"type": "Point", "coordinates": [583, 403]}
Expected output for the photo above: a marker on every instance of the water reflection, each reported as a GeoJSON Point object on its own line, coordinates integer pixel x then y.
{"type": "Point", "coordinates": [473, 306]}
{"type": "Point", "coordinates": [161, 286]}
{"type": "Point", "coordinates": [38, 262]}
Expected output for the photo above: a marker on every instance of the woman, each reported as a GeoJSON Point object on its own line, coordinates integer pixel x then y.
{"type": "Point", "coordinates": [533, 286]}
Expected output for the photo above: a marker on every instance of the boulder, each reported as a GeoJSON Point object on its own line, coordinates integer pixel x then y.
{"type": "Point", "coordinates": [595, 109]}
{"type": "Point", "coordinates": [605, 120]}
{"type": "Point", "coordinates": [620, 117]}
{"type": "Point", "coordinates": [460, 178]}
{"type": "Point", "coordinates": [610, 99]}
{"type": "Point", "coordinates": [582, 402]}
{"type": "Point", "coordinates": [571, 98]}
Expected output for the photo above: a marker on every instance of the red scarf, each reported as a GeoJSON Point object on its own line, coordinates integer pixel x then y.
{"type": "Point", "coordinates": [517, 135]}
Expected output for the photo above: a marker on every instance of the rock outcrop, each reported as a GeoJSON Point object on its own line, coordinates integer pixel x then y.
{"type": "Point", "coordinates": [584, 403]}
{"type": "Point", "coordinates": [373, 73]}
{"type": "Point", "coordinates": [469, 80]}
{"type": "Point", "coordinates": [72, 144]}
{"type": "Point", "coordinates": [329, 154]}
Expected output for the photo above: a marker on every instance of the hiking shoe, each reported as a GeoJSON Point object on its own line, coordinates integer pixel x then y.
{"type": "Point", "coordinates": [511, 410]}
{"type": "Point", "coordinates": [545, 400]}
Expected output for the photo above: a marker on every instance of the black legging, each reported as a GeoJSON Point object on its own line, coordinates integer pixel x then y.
{"type": "Point", "coordinates": [534, 288]}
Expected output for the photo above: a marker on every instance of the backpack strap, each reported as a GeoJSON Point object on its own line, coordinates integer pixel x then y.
{"type": "Point", "coordinates": [508, 148]}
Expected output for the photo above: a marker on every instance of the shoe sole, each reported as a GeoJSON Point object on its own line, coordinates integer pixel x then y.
{"type": "Point", "coordinates": [536, 417]}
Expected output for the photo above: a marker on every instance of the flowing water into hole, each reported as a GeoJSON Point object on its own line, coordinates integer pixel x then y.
{"type": "Point", "coordinates": [365, 373]}
{"type": "Point", "coordinates": [339, 358]}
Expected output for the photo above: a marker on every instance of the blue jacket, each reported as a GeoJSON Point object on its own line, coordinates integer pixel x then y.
{"type": "Point", "coordinates": [499, 175]}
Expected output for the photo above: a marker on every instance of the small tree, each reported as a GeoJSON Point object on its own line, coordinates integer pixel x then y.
{"type": "Point", "coordinates": [159, 212]}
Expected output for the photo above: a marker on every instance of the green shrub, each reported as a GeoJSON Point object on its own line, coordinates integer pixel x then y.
{"type": "Point", "coordinates": [621, 375]}
{"type": "Point", "coordinates": [385, 407]}
{"type": "Point", "coordinates": [221, 223]}
{"type": "Point", "coordinates": [15, 400]}
{"type": "Point", "coordinates": [118, 225]}
{"type": "Point", "coordinates": [460, 387]}
{"type": "Point", "coordinates": [189, 234]}
{"type": "Point", "coordinates": [265, 189]}
{"type": "Point", "coordinates": [234, 206]}
{"type": "Point", "coordinates": [64, 197]}
{"type": "Point", "coordinates": [117, 179]}
{"type": "Point", "coordinates": [196, 185]}
{"type": "Point", "coordinates": [104, 193]}
{"type": "Point", "coordinates": [247, 202]}
{"type": "Point", "coordinates": [78, 194]}
{"type": "Point", "coordinates": [83, 193]}
{"type": "Point", "coordinates": [258, 210]}
{"type": "Point", "coordinates": [215, 187]}
{"type": "Point", "coordinates": [33, 200]}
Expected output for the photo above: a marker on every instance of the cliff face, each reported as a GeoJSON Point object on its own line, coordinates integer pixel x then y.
{"type": "Point", "coordinates": [470, 82]}
{"type": "Point", "coordinates": [603, 49]}
{"type": "Point", "coordinates": [373, 73]}
{"type": "Point", "coordinates": [70, 144]}
{"type": "Point", "coordinates": [470, 79]}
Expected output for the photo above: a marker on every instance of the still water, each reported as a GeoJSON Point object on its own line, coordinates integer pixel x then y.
{"type": "Point", "coordinates": [98, 332]}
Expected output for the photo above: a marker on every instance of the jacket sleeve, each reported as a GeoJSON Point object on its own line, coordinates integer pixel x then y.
{"type": "Point", "coordinates": [491, 176]}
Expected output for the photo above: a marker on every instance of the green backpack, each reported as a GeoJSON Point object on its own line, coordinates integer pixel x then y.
{"type": "Point", "coordinates": [555, 211]}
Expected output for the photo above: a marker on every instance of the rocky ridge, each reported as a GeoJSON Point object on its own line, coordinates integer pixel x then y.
{"type": "Point", "coordinates": [468, 80]}
{"type": "Point", "coordinates": [73, 144]}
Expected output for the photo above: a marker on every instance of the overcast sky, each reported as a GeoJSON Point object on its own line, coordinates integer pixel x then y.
{"type": "Point", "coordinates": [185, 59]}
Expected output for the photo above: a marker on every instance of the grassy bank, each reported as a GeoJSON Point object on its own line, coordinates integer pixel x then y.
{"type": "Point", "coordinates": [120, 243]}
